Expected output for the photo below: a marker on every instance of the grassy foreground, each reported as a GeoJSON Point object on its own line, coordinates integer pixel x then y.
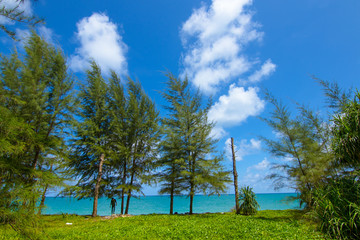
{"type": "Point", "coordinates": [289, 224]}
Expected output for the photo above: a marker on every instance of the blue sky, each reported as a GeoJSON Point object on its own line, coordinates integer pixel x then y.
{"type": "Point", "coordinates": [231, 49]}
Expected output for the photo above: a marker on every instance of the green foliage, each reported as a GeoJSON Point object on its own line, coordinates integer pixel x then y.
{"type": "Point", "coordinates": [121, 127]}
{"type": "Point", "coordinates": [337, 198]}
{"type": "Point", "coordinates": [265, 225]}
{"type": "Point", "coordinates": [247, 200]}
{"type": "Point", "coordinates": [304, 142]}
{"type": "Point", "coordinates": [337, 208]}
{"type": "Point", "coordinates": [15, 14]}
{"type": "Point", "coordinates": [346, 135]}
{"type": "Point", "coordinates": [35, 108]}
{"type": "Point", "coordinates": [187, 149]}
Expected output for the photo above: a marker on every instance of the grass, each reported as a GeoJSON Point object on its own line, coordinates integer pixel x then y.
{"type": "Point", "coordinates": [289, 224]}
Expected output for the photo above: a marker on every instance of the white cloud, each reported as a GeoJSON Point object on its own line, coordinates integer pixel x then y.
{"type": "Point", "coordinates": [214, 39]}
{"type": "Point", "coordinates": [243, 148]}
{"type": "Point", "coordinates": [100, 41]}
{"type": "Point", "coordinates": [24, 6]}
{"type": "Point", "coordinates": [235, 107]}
{"type": "Point", "coordinates": [266, 69]}
{"type": "Point", "coordinates": [261, 166]}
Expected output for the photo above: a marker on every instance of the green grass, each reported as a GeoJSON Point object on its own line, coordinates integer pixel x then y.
{"type": "Point", "coordinates": [288, 224]}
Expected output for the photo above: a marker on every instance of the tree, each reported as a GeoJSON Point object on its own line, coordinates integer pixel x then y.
{"type": "Point", "coordinates": [120, 153]}
{"type": "Point", "coordinates": [12, 11]}
{"type": "Point", "coordinates": [91, 145]}
{"type": "Point", "coordinates": [346, 132]}
{"type": "Point", "coordinates": [36, 105]}
{"type": "Point", "coordinates": [190, 130]}
{"type": "Point", "coordinates": [304, 141]}
{"type": "Point", "coordinates": [337, 198]}
{"type": "Point", "coordinates": [142, 138]}
{"type": "Point", "coordinates": [171, 164]}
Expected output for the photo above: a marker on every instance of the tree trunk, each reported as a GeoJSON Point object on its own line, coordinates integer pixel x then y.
{"type": "Point", "coordinates": [123, 189]}
{"type": "Point", "coordinates": [191, 200]}
{"type": "Point", "coordinates": [172, 198]}
{"type": "Point", "coordinates": [129, 193]}
{"type": "Point", "coordinates": [97, 186]}
{"type": "Point", "coordinates": [42, 203]}
{"type": "Point", "coordinates": [237, 207]}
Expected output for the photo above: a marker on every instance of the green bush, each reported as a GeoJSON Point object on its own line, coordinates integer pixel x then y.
{"type": "Point", "coordinates": [248, 203]}
{"type": "Point", "coordinates": [337, 208]}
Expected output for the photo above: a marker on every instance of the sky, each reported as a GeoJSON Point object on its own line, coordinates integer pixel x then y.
{"type": "Point", "coordinates": [232, 50]}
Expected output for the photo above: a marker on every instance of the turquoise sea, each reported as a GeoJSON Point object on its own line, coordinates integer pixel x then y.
{"type": "Point", "coordinates": [160, 204]}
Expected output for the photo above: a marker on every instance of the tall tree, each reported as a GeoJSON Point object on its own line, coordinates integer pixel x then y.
{"type": "Point", "coordinates": [202, 172]}
{"type": "Point", "coordinates": [92, 137]}
{"type": "Point", "coordinates": [142, 138]}
{"type": "Point", "coordinates": [171, 164]}
{"type": "Point", "coordinates": [304, 142]}
{"type": "Point", "coordinates": [36, 105]}
{"type": "Point", "coordinates": [120, 152]}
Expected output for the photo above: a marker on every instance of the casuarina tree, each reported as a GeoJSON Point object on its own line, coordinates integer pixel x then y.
{"type": "Point", "coordinates": [188, 147]}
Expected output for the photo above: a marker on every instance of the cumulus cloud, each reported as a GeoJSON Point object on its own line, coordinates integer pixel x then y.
{"type": "Point", "coordinates": [99, 40]}
{"type": "Point", "coordinates": [24, 7]}
{"type": "Point", "coordinates": [214, 38]}
{"type": "Point", "coordinates": [235, 107]}
{"type": "Point", "coordinates": [243, 148]}
{"type": "Point", "coordinates": [266, 69]}
{"type": "Point", "coordinates": [261, 166]}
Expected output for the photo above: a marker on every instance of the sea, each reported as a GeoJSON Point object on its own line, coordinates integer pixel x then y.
{"type": "Point", "coordinates": [160, 204]}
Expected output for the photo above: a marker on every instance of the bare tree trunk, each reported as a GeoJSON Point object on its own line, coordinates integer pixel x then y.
{"type": "Point", "coordinates": [191, 200]}
{"type": "Point", "coordinates": [237, 207]}
{"type": "Point", "coordinates": [172, 198]}
{"type": "Point", "coordinates": [129, 193]}
{"type": "Point", "coordinates": [123, 189]}
{"type": "Point", "coordinates": [97, 186]}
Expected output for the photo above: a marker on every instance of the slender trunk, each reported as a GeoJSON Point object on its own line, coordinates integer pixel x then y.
{"type": "Point", "coordinates": [128, 202]}
{"type": "Point", "coordinates": [191, 200]}
{"type": "Point", "coordinates": [237, 207]}
{"type": "Point", "coordinates": [192, 183]}
{"type": "Point", "coordinates": [123, 189]}
{"type": "Point", "coordinates": [122, 200]}
{"type": "Point", "coordinates": [129, 193]}
{"type": "Point", "coordinates": [133, 169]}
{"type": "Point", "coordinates": [42, 203]}
{"type": "Point", "coordinates": [37, 154]}
{"type": "Point", "coordinates": [172, 198]}
{"type": "Point", "coordinates": [97, 186]}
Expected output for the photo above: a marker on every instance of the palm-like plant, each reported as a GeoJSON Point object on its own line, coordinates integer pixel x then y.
{"type": "Point", "coordinates": [248, 203]}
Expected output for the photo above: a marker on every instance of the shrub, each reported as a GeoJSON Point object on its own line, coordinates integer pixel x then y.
{"type": "Point", "coordinates": [247, 200]}
{"type": "Point", "coordinates": [337, 208]}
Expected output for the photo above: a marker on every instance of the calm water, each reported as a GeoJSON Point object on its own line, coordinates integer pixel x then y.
{"type": "Point", "coordinates": [160, 204]}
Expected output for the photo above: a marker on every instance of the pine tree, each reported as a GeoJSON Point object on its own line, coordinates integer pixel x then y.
{"type": "Point", "coordinates": [92, 137]}
{"type": "Point", "coordinates": [190, 128]}
{"type": "Point", "coordinates": [142, 138]}
{"type": "Point", "coordinates": [35, 105]}
{"type": "Point", "coordinates": [120, 152]}
{"type": "Point", "coordinates": [303, 141]}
